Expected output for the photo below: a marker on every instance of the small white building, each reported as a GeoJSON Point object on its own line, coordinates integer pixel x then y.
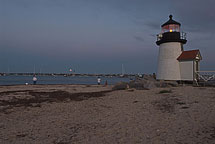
{"type": "Point", "coordinates": [189, 64]}
{"type": "Point", "coordinates": [173, 62]}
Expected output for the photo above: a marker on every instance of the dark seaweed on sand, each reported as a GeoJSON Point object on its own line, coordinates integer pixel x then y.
{"type": "Point", "coordinates": [40, 97]}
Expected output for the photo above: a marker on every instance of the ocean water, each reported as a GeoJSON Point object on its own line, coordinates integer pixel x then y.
{"type": "Point", "coordinates": [20, 80]}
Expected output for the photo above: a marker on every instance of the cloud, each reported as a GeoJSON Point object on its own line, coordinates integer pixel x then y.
{"type": "Point", "coordinates": [139, 38]}
{"type": "Point", "coordinates": [153, 24]}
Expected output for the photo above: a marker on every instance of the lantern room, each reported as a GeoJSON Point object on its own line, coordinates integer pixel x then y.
{"type": "Point", "coordinates": [171, 26]}
{"type": "Point", "coordinates": [171, 32]}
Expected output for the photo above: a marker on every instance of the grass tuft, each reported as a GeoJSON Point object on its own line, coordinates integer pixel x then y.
{"type": "Point", "coordinates": [165, 91]}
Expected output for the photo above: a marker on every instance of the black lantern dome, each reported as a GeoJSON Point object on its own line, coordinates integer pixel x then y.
{"type": "Point", "coordinates": [171, 32]}
{"type": "Point", "coordinates": [171, 21]}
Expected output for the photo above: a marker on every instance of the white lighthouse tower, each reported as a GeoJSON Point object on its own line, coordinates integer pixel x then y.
{"type": "Point", "coordinates": [170, 41]}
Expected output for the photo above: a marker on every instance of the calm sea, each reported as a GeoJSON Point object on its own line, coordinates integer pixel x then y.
{"type": "Point", "coordinates": [19, 80]}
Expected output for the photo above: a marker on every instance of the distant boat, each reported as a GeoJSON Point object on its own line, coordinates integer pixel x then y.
{"type": "Point", "coordinates": [121, 75]}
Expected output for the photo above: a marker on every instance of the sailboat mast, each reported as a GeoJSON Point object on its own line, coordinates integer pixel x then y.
{"type": "Point", "coordinates": [8, 69]}
{"type": "Point", "coordinates": [122, 69]}
{"type": "Point", "coordinates": [34, 69]}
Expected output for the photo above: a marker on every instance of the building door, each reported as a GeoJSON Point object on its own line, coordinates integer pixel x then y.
{"type": "Point", "coordinates": [196, 69]}
{"type": "Point", "coordinates": [197, 65]}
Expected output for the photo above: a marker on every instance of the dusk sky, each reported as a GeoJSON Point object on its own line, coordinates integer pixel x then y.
{"type": "Point", "coordinates": [98, 36]}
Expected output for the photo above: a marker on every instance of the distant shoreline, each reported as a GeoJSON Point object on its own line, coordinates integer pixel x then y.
{"type": "Point", "coordinates": [65, 74]}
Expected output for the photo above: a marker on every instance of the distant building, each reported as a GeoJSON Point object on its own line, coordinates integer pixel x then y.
{"type": "Point", "coordinates": [173, 62]}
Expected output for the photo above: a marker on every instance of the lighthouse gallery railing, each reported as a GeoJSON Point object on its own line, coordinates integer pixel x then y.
{"type": "Point", "coordinates": [183, 35]}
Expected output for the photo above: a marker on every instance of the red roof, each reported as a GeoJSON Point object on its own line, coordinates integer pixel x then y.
{"type": "Point", "coordinates": [189, 55]}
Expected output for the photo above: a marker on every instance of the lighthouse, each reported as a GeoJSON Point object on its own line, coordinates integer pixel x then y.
{"type": "Point", "coordinates": [173, 62]}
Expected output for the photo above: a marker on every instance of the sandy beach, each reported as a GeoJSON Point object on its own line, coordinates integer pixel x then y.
{"type": "Point", "coordinates": [64, 114]}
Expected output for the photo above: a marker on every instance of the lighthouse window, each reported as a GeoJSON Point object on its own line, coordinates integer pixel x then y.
{"type": "Point", "coordinates": [165, 28]}
{"type": "Point", "coordinates": [171, 28]}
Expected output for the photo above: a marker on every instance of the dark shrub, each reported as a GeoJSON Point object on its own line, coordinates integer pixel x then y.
{"type": "Point", "coordinates": [165, 91]}
{"type": "Point", "coordinates": [120, 86]}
